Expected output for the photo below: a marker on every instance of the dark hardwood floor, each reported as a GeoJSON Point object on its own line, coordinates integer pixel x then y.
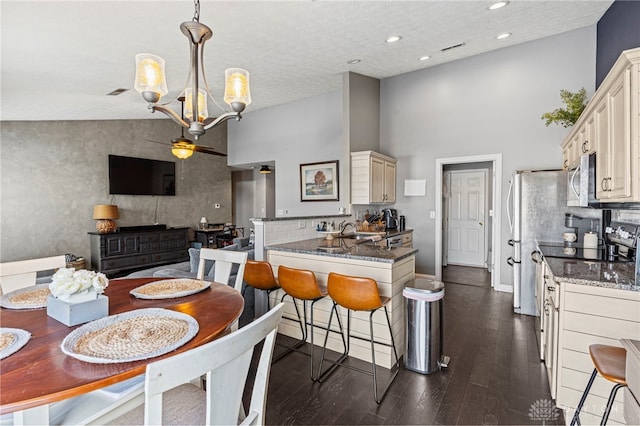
{"type": "Point", "coordinates": [466, 275]}
{"type": "Point", "coordinates": [494, 375]}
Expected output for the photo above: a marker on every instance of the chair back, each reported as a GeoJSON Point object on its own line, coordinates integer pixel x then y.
{"type": "Point", "coordinates": [226, 363]}
{"type": "Point", "coordinates": [22, 273]}
{"type": "Point", "coordinates": [355, 293]}
{"type": "Point", "coordinates": [258, 274]}
{"type": "Point", "coordinates": [225, 260]}
{"type": "Point", "coordinates": [299, 283]}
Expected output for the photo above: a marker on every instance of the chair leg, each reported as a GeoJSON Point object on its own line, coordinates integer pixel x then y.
{"type": "Point", "coordinates": [612, 397]}
{"type": "Point", "coordinates": [373, 358]}
{"type": "Point", "coordinates": [576, 416]}
{"type": "Point", "coordinates": [303, 328]}
{"type": "Point", "coordinates": [322, 375]}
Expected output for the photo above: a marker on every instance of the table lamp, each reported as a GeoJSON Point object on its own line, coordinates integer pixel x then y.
{"type": "Point", "coordinates": [104, 214]}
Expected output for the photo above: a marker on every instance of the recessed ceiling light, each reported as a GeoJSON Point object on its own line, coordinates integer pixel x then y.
{"type": "Point", "coordinates": [498, 5]}
{"type": "Point", "coordinates": [424, 58]}
{"type": "Point", "coordinates": [504, 35]}
{"type": "Point", "coordinates": [354, 61]}
{"type": "Point", "coordinates": [393, 39]}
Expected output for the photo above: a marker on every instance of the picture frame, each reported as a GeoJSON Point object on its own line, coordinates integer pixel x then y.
{"type": "Point", "coordinates": [319, 181]}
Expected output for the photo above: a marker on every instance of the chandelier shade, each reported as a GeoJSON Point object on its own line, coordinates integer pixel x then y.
{"type": "Point", "coordinates": [150, 82]}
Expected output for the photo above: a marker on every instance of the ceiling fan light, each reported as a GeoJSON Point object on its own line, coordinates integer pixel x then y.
{"type": "Point", "coordinates": [237, 93]}
{"type": "Point", "coordinates": [265, 170]}
{"type": "Point", "coordinates": [182, 150]}
{"type": "Point", "coordinates": [203, 111]}
{"type": "Point", "coordinates": [150, 77]}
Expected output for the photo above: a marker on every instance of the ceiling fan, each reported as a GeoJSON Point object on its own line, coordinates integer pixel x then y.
{"type": "Point", "coordinates": [182, 147]}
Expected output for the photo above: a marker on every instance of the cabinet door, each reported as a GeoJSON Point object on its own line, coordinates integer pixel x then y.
{"type": "Point", "coordinates": [619, 140]}
{"type": "Point", "coordinates": [602, 143]}
{"type": "Point", "coordinates": [377, 180]}
{"type": "Point", "coordinates": [588, 143]}
{"type": "Point", "coordinates": [389, 182]}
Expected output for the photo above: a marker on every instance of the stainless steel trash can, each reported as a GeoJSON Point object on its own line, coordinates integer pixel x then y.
{"type": "Point", "coordinates": [423, 338]}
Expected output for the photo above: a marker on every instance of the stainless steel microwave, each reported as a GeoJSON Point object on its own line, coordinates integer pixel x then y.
{"type": "Point", "coordinates": [581, 182]}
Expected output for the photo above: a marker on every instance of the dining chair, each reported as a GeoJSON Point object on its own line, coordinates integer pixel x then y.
{"type": "Point", "coordinates": [171, 399]}
{"type": "Point", "coordinates": [225, 264]}
{"type": "Point", "coordinates": [22, 273]}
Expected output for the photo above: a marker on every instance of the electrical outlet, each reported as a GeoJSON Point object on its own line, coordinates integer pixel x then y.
{"type": "Point", "coordinates": [432, 214]}
{"type": "Point", "coordinates": [302, 224]}
{"type": "Point", "coordinates": [216, 205]}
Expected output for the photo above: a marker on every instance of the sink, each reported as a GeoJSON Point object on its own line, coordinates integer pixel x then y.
{"type": "Point", "coordinates": [328, 249]}
{"type": "Point", "coordinates": [360, 236]}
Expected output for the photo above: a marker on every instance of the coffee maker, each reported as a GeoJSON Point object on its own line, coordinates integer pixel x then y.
{"type": "Point", "coordinates": [390, 217]}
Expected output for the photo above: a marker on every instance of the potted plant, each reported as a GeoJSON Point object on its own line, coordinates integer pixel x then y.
{"type": "Point", "coordinates": [567, 117]}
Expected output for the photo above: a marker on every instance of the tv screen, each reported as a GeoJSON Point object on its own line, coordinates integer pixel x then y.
{"type": "Point", "coordinates": [140, 176]}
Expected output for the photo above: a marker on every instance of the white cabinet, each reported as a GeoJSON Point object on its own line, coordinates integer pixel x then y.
{"type": "Point", "coordinates": [552, 315]}
{"type": "Point", "coordinates": [373, 178]}
{"type": "Point", "coordinates": [610, 127]}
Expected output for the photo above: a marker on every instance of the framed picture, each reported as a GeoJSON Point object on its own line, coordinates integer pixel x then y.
{"type": "Point", "coordinates": [319, 181]}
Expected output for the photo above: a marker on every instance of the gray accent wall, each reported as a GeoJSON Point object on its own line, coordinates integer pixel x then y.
{"type": "Point", "coordinates": [54, 172]}
{"type": "Point", "coordinates": [486, 104]}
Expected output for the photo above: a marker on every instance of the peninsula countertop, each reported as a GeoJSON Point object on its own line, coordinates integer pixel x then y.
{"type": "Point", "coordinates": [346, 248]}
{"type": "Point", "coordinates": [616, 275]}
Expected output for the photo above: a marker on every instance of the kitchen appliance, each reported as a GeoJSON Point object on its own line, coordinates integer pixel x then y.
{"type": "Point", "coordinates": [390, 218]}
{"type": "Point", "coordinates": [581, 182]}
{"type": "Point", "coordinates": [402, 223]}
{"type": "Point", "coordinates": [537, 212]}
{"type": "Point", "coordinates": [621, 241]}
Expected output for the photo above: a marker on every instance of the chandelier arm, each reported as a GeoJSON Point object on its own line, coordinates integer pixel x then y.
{"type": "Point", "coordinates": [170, 113]}
{"type": "Point", "coordinates": [222, 119]}
{"type": "Point", "coordinates": [204, 80]}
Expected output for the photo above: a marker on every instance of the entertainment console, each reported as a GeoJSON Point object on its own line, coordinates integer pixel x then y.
{"type": "Point", "coordinates": [137, 247]}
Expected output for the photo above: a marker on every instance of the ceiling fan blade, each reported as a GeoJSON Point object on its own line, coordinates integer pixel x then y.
{"type": "Point", "coordinates": [207, 150]}
{"type": "Point", "coordinates": [161, 143]}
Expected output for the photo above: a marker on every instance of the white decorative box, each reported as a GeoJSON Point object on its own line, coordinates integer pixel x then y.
{"type": "Point", "coordinates": [71, 314]}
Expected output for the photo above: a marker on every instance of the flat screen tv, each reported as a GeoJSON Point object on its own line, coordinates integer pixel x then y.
{"type": "Point", "coordinates": [140, 176]}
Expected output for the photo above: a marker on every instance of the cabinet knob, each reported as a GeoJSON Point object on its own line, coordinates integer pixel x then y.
{"type": "Point", "coordinates": [551, 288]}
{"type": "Point", "coordinates": [565, 164]}
{"type": "Point", "coordinates": [585, 146]}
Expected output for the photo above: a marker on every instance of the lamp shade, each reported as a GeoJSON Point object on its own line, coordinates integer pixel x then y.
{"type": "Point", "coordinates": [237, 87]}
{"type": "Point", "coordinates": [203, 111]}
{"type": "Point", "coordinates": [150, 76]}
{"type": "Point", "coordinates": [105, 211]}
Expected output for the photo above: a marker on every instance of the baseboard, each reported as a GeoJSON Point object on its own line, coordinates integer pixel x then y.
{"type": "Point", "coordinates": [506, 288]}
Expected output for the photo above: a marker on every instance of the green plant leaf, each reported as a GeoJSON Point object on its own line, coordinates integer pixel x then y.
{"type": "Point", "coordinates": [567, 117]}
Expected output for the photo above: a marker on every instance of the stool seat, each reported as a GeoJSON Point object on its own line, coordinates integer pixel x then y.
{"type": "Point", "coordinates": [610, 361]}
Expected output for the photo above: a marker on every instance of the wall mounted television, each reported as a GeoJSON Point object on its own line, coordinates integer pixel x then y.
{"type": "Point", "coordinates": [140, 176]}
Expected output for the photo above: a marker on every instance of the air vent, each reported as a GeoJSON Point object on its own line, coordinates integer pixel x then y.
{"type": "Point", "coordinates": [452, 47]}
{"type": "Point", "coordinates": [116, 92]}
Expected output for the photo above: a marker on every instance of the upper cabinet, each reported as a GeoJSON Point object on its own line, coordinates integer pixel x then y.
{"type": "Point", "coordinates": [373, 178]}
{"type": "Point", "coordinates": [610, 127]}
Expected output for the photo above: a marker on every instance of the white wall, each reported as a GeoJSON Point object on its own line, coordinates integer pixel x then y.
{"type": "Point", "coordinates": [305, 131]}
{"type": "Point", "coordinates": [486, 104]}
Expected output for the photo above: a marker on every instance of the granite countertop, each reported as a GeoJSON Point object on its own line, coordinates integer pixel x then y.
{"type": "Point", "coordinates": [346, 248]}
{"type": "Point", "coordinates": [618, 275]}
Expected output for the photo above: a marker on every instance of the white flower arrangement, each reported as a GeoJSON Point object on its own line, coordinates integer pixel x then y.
{"type": "Point", "coordinates": [67, 282]}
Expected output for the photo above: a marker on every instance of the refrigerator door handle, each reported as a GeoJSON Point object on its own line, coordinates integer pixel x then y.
{"type": "Point", "coordinates": [511, 261]}
{"type": "Point", "coordinates": [536, 256]}
{"type": "Point", "coordinates": [509, 197]}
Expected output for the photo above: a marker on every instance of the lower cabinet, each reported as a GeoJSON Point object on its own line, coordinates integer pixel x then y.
{"type": "Point", "coordinates": [589, 315]}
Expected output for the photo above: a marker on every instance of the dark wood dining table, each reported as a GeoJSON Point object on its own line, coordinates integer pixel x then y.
{"type": "Point", "coordinates": [40, 373]}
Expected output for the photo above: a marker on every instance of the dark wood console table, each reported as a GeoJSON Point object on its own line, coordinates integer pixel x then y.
{"type": "Point", "coordinates": [128, 250]}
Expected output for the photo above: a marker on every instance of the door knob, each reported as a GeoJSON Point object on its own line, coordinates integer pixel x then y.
{"type": "Point", "coordinates": [480, 223]}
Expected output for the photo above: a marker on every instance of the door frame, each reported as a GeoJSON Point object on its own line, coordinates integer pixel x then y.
{"type": "Point", "coordinates": [485, 212]}
{"type": "Point", "coordinates": [496, 218]}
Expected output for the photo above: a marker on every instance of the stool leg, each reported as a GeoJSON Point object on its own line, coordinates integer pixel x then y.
{"type": "Point", "coordinates": [303, 328]}
{"type": "Point", "coordinates": [612, 396]}
{"type": "Point", "coordinates": [576, 415]}
{"type": "Point", "coordinates": [373, 357]}
{"type": "Point", "coordinates": [322, 375]}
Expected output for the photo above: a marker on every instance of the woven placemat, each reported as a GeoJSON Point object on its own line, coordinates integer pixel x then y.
{"type": "Point", "coordinates": [32, 297]}
{"type": "Point", "coordinates": [130, 336]}
{"type": "Point", "coordinates": [167, 289]}
{"type": "Point", "coordinates": [12, 340]}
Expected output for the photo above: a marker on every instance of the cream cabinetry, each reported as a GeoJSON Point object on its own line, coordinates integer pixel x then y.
{"type": "Point", "coordinates": [588, 315]}
{"type": "Point", "coordinates": [373, 178]}
{"type": "Point", "coordinates": [549, 317]}
{"type": "Point", "coordinates": [610, 127]}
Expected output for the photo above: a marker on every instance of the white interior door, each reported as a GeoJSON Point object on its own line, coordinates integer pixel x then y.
{"type": "Point", "coordinates": [466, 218]}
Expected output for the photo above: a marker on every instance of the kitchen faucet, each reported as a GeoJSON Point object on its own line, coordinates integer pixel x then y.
{"type": "Point", "coordinates": [344, 224]}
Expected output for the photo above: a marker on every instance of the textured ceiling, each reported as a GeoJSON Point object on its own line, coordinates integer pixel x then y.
{"type": "Point", "coordinates": [60, 59]}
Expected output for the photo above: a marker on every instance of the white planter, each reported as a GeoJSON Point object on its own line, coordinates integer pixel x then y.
{"type": "Point", "coordinates": [71, 314]}
{"type": "Point", "coordinates": [82, 297]}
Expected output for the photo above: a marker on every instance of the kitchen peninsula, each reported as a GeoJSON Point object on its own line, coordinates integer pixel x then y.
{"type": "Point", "coordinates": [392, 268]}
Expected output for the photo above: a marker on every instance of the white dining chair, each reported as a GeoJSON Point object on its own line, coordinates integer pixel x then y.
{"type": "Point", "coordinates": [225, 260]}
{"type": "Point", "coordinates": [22, 273]}
{"type": "Point", "coordinates": [170, 399]}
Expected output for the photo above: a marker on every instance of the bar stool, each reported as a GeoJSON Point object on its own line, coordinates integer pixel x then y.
{"type": "Point", "coordinates": [358, 294]}
{"type": "Point", "coordinates": [610, 362]}
{"type": "Point", "coordinates": [301, 284]}
{"type": "Point", "coordinates": [259, 275]}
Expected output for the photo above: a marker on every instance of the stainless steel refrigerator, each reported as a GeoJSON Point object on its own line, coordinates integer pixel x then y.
{"type": "Point", "coordinates": [537, 204]}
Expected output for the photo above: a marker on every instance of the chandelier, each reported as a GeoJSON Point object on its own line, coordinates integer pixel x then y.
{"type": "Point", "coordinates": [151, 83]}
